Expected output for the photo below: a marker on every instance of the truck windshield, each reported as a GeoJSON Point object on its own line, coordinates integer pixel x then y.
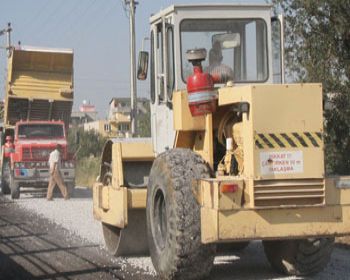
{"type": "Point", "coordinates": [239, 46]}
{"type": "Point", "coordinates": [34, 131]}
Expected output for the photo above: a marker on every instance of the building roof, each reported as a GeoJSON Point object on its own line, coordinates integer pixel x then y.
{"type": "Point", "coordinates": [211, 6]}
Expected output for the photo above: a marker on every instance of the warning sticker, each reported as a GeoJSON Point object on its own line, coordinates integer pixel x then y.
{"type": "Point", "coordinates": [283, 162]}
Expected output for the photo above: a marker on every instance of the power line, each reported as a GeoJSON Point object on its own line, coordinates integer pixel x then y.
{"type": "Point", "coordinates": [80, 20]}
{"type": "Point", "coordinates": [68, 26]}
{"type": "Point", "coordinates": [36, 16]}
{"type": "Point", "coordinates": [44, 23]}
{"type": "Point", "coordinates": [97, 23]}
{"type": "Point", "coordinates": [65, 22]}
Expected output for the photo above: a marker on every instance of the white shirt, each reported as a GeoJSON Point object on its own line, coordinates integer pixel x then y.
{"type": "Point", "coordinates": [54, 158]}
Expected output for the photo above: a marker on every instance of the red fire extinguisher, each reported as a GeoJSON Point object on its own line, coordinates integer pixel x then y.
{"type": "Point", "coordinates": [202, 97]}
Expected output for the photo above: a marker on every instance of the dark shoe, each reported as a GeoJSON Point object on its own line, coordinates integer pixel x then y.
{"type": "Point", "coordinates": [49, 199]}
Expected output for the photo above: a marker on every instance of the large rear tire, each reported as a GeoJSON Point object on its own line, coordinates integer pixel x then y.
{"type": "Point", "coordinates": [300, 257]}
{"type": "Point", "coordinates": [173, 217]}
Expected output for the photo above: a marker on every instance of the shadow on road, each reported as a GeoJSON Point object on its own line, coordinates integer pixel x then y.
{"type": "Point", "coordinates": [248, 263]}
{"type": "Point", "coordinates": [9, 269]}
{"type": "Point", "coordinates": [81, 192]}
{"type": "Point", "coordinates": [34, 250]}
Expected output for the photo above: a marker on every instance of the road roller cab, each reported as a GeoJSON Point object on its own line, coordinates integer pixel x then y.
{"type": "Point", "coordinates": [235, 155]}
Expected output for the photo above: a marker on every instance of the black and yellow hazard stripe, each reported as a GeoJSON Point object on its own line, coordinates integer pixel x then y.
{"type": "Point", "coordinates": [288, 140]}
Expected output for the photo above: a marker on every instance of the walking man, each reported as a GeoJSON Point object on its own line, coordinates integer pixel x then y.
{"type": "Point", "coordinates": [55, 174]}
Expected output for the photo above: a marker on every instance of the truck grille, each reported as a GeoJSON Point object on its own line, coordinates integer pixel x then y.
{"type": "Point", "coordinates": [36, 153]}
{"type": "Point", "coordinates": [297, 192]}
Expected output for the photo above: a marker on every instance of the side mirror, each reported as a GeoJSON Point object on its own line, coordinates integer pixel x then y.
{"type": "Point", "coordinates": [142, 66]}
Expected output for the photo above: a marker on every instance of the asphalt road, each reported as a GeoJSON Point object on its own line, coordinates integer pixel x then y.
{"type": "Point", "coordinates": [33, 247]}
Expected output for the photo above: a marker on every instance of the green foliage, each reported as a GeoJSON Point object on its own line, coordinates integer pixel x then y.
{"type": "Point", "coordinates": [87, 171]}
{"type": "Point", "coordinates": [85, 143]}
{"type": "Point", "coordinates": [144, 123]}
{"type": "Point", "coordinates": [318, 50]}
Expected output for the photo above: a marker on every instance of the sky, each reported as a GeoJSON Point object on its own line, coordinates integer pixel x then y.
{"type": "Point", "coordinates": [97, 31]}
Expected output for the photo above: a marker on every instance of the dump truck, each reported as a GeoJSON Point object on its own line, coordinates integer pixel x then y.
{"type": "Point", "coordinates": [236, 154]}
{"type": "Point", "coordinates": [37, 109]}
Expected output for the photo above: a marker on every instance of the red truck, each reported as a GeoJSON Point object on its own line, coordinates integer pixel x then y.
{"type": "Point", "coordinates": [37, 109]}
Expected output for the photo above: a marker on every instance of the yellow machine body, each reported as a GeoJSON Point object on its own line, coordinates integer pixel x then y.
{"type": "Point", "coordinates": [111, 202]}
{"type": "Point", "coordinates": [282, 192]}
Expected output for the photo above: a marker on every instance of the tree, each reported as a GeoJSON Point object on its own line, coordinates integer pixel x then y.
{"type": "Point", "coordinates": [85, 143]}
{"type": "Point", "coordinates": [318, 50]}
{"type": "Point", "coordinates": [144, 123]}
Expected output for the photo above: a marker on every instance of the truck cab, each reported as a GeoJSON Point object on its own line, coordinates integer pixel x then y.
{"type": "Point", "coordinates": [33, 143]}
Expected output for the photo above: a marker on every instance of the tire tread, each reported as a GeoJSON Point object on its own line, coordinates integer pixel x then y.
{"type": "Point", "coordinates": [299, 257]}
{"type": "Point", "coordinates": [191, 259]}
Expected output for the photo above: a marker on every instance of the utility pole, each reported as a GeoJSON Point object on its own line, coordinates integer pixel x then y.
{"type": "Point", "coordinates": [8, 37]}
{"type": "Point", "coordinates": [133, 91]}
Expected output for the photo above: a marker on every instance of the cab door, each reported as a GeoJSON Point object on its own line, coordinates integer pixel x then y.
{"type": "Point", "coordinates": [277, 35]}
{"type": "Point", "coordinates": [162, 85]}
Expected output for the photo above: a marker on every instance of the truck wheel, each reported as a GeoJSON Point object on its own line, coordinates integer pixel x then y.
{"type": "Point", "coordinates": [173, 217]}
{"type": "Point", "coordinates": [14, 186]}
{"type": "Point", "coordinates": [5, 179]}
{"type": "Point", "coordinates": [300, 257]}
{"type": "Point", "coordinates": [5, 187]}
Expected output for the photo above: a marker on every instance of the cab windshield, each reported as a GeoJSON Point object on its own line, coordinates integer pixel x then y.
{"type": "Point", "coordinates": [45, 131]}
{"type": "Point", "coordinates": [239, 46]}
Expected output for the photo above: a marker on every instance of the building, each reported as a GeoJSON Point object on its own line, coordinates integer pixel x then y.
{"type": "Point", "coordinates": [100, 126]}
{"type": "Point", "coordinates": [87, 113]}
{"type": "Point", "coordinates": [119, 115]}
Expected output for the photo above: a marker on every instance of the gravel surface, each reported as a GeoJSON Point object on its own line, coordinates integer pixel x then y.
{"type": "Point", "coordinates": [76, 216]}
